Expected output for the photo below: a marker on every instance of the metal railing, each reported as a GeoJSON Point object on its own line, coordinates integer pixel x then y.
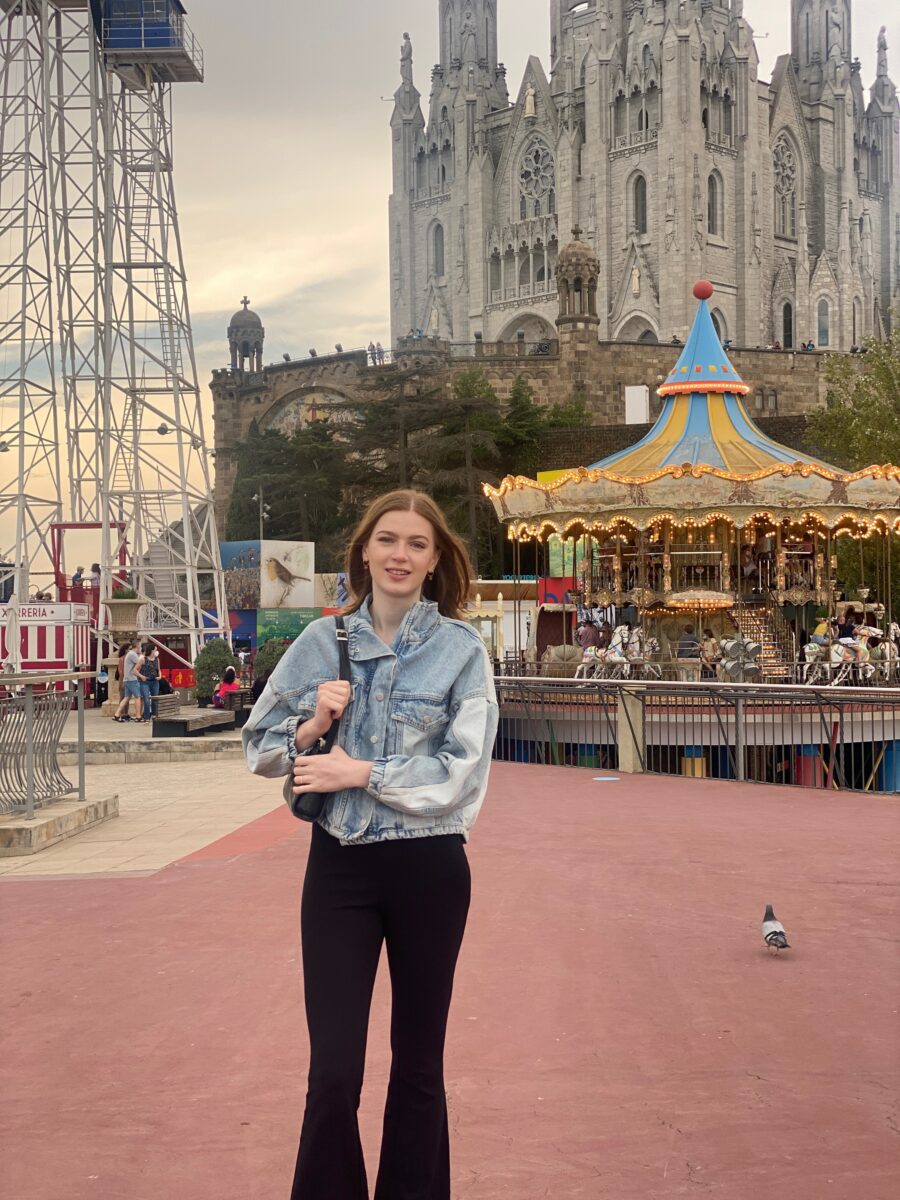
{"type": "Point", "coordinates": [33, 713]}
{"type": "Point", "coordinates": [846, 739]}
{"type": "Point", "coordinates": [151, 36]}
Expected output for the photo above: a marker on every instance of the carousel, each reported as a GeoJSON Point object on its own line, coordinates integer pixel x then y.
{"type": "Point", "coordinates": [714, 546]}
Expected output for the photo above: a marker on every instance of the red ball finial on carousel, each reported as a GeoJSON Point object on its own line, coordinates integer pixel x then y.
{"type": "Point", "coordinates": [703, 289]}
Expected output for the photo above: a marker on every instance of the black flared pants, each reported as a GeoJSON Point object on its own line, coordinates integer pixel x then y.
{"type": "Point", "coordinates": [413, 895]}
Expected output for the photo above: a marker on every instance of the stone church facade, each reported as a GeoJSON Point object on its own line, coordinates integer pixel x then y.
{"type": "Point", "coordinates": [655, 135]}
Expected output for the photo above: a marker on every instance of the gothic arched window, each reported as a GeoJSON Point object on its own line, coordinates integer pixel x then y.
{"type": "Point", "coordinates": [537, 179]}
{"type": "Point", "coordinates": [713, 204]}
{"type": "Point", "coordinates": [823, 322]}
{"type": "Point", "coordinates": [785, 171]}
{"type": "Point", "coordinates": [438, 250]}
{"type": "Point", "coordinates": [639, 204]}
{"type": "Point", "coordinates": [787, 326]}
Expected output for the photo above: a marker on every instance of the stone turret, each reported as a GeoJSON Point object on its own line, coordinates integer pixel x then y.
{"type": "Point", "coordinates": [246, 337]}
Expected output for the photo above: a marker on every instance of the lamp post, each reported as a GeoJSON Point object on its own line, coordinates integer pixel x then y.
{"type": "Point", "coordinates": [264, 512]}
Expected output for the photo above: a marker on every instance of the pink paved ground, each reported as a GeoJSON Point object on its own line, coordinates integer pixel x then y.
{"type": "Point", "coordinates": [619, 1031]}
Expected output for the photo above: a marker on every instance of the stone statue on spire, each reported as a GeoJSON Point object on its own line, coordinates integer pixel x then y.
{"type": "Point", "coordinates": [882, 70]}
{"type": "Point", "coordinates": [406, 60]}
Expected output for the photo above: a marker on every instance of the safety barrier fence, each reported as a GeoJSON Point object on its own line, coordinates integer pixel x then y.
{"type": "Point", "coordinates": [846, 739]}
{"type": "Point", "coordinates": [34, 708]}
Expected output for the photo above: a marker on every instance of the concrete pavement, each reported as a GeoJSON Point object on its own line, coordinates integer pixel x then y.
{"type": "Point", "coordinates": [619, 1031]}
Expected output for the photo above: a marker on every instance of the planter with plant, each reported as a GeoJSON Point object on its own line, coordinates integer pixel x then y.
{"type": "Point", "coordinates": [209, 667]}
{"type": "Point", "coordinates": [124, 606]}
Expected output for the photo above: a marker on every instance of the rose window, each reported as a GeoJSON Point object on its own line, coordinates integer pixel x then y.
{"type": "Point", "coordinates": [537, 178]}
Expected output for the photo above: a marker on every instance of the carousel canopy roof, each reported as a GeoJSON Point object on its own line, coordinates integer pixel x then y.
{"type": "Point", "coordinates": [703, 419]}
{"type": "Point", "coordinates": [704, 459]}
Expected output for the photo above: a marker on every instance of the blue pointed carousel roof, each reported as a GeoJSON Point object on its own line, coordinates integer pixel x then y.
{"type": "Point", "coordinates": [703, 421]}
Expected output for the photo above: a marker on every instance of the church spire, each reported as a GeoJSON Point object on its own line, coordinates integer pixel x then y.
{"type": "Point", "coordinates": [469, 34]}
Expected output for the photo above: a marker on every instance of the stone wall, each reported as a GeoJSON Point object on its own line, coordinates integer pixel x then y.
{"type": "Point", "coordinates": [788, 384]}
{"type": "Point", "coordinates": [784, 385]}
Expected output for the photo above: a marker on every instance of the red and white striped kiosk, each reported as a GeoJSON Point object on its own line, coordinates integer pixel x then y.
{"type": "Point", "coordinates": [52, 637]}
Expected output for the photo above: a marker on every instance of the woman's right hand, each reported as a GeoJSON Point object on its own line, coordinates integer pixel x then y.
{"type": "Point", "coordinates": [331, 700]}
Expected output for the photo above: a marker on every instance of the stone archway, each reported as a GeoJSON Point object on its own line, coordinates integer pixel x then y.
{"type": "Point", "coordinates": [536, 329]}
{"type": "Point", "coordinates": [313, 403]}
{"type": "Point", "coordinates": [638, 328]}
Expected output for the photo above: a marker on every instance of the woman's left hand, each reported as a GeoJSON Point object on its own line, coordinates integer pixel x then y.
{"type": "Point", "coordinates": [330, 772]}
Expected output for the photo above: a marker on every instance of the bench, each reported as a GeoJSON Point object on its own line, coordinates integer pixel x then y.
{"type": "Point", "coordinates": [167, 706]}
{"type": "Point", "coordinates": [240, 703]}
{"type": "Point", "coordinates": [193, 722]}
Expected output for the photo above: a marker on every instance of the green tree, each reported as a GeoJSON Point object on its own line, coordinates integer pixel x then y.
{"type": "Point", "coordinates": [457, 454]}
{"type": "Point", "coordinates": [860, 427]}
{"type": "Point", "coordinates": [519, 435]}
{"type": "Point", "coordinates": [571, 415]}
{"type": "Point", "coordinates": [399, 405]}
{"type": "Point", "coordinates": [268, 656]}
{"type": "Point", "coordinates": [303, 480]}
{"type": "Point", "coordinates": [210, 665]}
{"type": "Point", "coordinates": [861, 423]}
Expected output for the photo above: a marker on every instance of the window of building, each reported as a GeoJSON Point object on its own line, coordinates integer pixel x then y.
{"type": "Point", "coordinates": [639, 204]}
{"type": "Point", "coordinates": [785, 171]}
{"type": "Point", "coordinates": [438, 249]}
{"type": "Point", "coordinates": [857, 321]}
{"type": "Point", "coordinates": [728, 117]}
{"type": "Point", "coordinates": [646, 57]}
{"type": "Point", "coordinates": [537, 179]}
{"type": "Point", "coordinates": [787, 327]}
{"type": "Point", "coordinates": [823, 322]}
{"type": "Point", "coordinates": [714, 205]}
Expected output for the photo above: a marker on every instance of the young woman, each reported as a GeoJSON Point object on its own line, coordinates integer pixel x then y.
{"type": "Point", "coordinates": [387, 861]}
{"type": "Point", "coordinates": [228, 683]}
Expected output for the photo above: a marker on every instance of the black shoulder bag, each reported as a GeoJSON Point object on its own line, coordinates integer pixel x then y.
{"type": "Point", "coordinates": [309, 805]}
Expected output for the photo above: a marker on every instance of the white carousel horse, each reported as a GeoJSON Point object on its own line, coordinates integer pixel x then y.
{"type": "Point", "coordinates": [886, 660]}
{"type": "Point", "coordinates": [629, 655]}
{"type": "Point", "coordinates": [837, 663]}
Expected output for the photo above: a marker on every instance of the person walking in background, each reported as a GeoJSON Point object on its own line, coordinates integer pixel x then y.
{"type": "Point", "coordinates": [94, 577]}
{"type": "Point", "coordinates": [373, 353]}
{"type": "Point", "coordinates": [150, 688]}
{"type": "Point", "coordinates": [132, 679]}
{"type": "Point", "coordinates": [379, 351]}
{"type": "Point", "coordinates": [78, 577]}
{"type": "Point", "coordinates": [387, 861]}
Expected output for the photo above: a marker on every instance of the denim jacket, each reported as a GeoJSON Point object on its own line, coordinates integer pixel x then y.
{"type": "Point", "coordinates": [423, 711]}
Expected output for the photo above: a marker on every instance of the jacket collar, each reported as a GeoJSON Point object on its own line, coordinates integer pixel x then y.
{"type": "Point", "coordinates": [416, 627]}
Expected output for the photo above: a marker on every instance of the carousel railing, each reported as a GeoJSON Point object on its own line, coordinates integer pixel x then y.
{"type": "Point", "coordinates": [832, 739]}
{"type": "Point", "coordinates": [694, 569]}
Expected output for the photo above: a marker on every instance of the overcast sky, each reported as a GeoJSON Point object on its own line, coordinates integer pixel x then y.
{"type": "Point", "coordinates": [283, 164]}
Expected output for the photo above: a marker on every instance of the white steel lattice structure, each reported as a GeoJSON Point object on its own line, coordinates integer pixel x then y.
{"type": "Point", "coordinates": [29, 439]}
{"type": "Point", "coordinates": [138, 466]}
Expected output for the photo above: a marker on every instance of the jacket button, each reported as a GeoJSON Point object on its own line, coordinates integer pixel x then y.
{"type": "Point", "coordinates": [373, 739]}
{"type": "Point", "coordinates": [379, 696]}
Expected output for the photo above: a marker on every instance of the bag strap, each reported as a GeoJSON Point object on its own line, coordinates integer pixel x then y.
{"type": "Point", "coordinates": [343, 641]}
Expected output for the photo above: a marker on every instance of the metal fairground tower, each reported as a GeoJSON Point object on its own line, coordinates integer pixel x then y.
{"type": "Point", "coordinates": [138, 466]}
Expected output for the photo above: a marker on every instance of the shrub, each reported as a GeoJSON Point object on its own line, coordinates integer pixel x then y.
{"type": "Point", "coordinates": [268, 656]}
{"type": "Point", "coordinates": [209, 666]}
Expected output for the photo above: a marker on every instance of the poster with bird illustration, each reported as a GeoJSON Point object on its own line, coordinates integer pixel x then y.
{"type": "Point", "coordinates": [287, 575]}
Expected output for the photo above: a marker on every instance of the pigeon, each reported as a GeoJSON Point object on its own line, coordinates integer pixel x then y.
{"type": "Point", "coordinates": [773, 931]}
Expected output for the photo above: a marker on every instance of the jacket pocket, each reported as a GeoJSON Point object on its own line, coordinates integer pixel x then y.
{"type": "Point", "coordinates": [419, 723]}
